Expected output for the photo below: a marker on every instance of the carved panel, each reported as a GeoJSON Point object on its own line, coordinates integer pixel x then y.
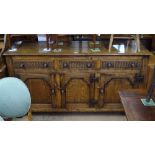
{"type": "Point", "coordinates": [82, 65]}
{"type": "Point", "coordinates": [33, 65]}
{"type": "Point", "coordinates": [77, 91]}
{"type": "Point", "coordinates": [112, 88]}
{"type": "Point", "coordinates": [40, 86]}
{"type": "Point", "coordinates": [40, 90]}
{"type": "Point", "coordinates": [121, 64]}
{"type": "Point", "coordinates": [111, 84]}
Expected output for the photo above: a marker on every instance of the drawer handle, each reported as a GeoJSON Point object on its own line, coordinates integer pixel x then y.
{"type": "Point", "coordinates": [45, 65]}
{"type": "Point", "coordinates": [133, 65]}
{"type": "Point", "coordinates": [52, 91]}
{"type": "Point", "coordinates": [109, 64]}
{"type": "Point", "coordinates": [101, 91]}
{"type": "Point", "coordinates": [21, 66]}
{"type": "Point", "coordinates": [139, 78]}
{"type": "Point", "coordinates": [65, 65]}
{"type": "Point", "coordinates": [62, 91]}
{"type": "Point", "coordinates": [89, 65]}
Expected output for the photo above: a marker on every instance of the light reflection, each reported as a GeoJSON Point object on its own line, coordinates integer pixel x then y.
{"type": "Point", "coordinates": [134, 46]}
{"type": "Point", "coordinates": [120, 48]}
{"type": "Point", "coordinates": [13, 49]}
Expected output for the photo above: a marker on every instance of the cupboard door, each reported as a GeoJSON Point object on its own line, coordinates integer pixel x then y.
{"type": "Point", "coordinates": [77, 91]}
{"type": "Point", "coordinates": [111, 84]}
{"type": "Point", "coordinates": [41, 90]}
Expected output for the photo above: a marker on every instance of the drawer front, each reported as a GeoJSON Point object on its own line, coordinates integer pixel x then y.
{"type": "Point", "coordinates": [77, 64]}
{"type": "Point", "coordinates": [122, 64]}
{"type": "Point", "coordinates": [33, 65]}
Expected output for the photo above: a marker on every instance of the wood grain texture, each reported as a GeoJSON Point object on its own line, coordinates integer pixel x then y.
{"type": "Point", "coordinates": [2, 70]}
{"type": "Point", "coordinates": [75, 79]}
{"type": "Point", "coordinates": [2, 62]}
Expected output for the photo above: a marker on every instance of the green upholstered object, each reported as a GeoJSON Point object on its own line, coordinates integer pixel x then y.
{"type": "Point", "coordinates": [15, 98]}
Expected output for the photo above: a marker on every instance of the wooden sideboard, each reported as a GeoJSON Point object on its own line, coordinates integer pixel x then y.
{"type": "Point", "coordinates": [77, 79]}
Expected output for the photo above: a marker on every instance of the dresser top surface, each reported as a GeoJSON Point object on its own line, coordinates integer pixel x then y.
{"type": "Point", "coordinates": [75, 48]}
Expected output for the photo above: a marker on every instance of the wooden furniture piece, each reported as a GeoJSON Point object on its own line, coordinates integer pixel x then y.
{"type": "Point", "coordinates": [2, 70]}
{"type": "Point", "coordinates": [76, 79]}
{"type": "Point", "coordinates": [94, 41]}
{"type": "Point", "coordinates": [136, 37]}
{"type": "Point", "coordinates": [54, 39]}
{"type": "Point", "coordinates": [1, 41]}
{"type": "Point", "coordinates": [2, 64]}
{"type": "Point", "coordinates": [11, 38]}
{"type": "Point", "coordinates": [134, 108]}
{"type": "Point", "coordinates": [153, 43]}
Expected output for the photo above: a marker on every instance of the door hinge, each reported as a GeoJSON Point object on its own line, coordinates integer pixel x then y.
{"type": "Point", "coordinates": [92, 103]}
{"type": "Point", "coordinates": [93, 78]}
{"type": "Point", "coordinates": [138, 78]}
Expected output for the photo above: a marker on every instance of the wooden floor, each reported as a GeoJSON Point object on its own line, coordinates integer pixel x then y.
{"type": "Point", "coordinates": [76, 117]}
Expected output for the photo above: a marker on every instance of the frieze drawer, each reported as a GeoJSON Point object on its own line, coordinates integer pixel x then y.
{"type": "Point", "coordinates": [134, 65]}
{"type": "Point", "coordinates": [79, 65]}
{"type": "Point", "coordinates": [33, 65]}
